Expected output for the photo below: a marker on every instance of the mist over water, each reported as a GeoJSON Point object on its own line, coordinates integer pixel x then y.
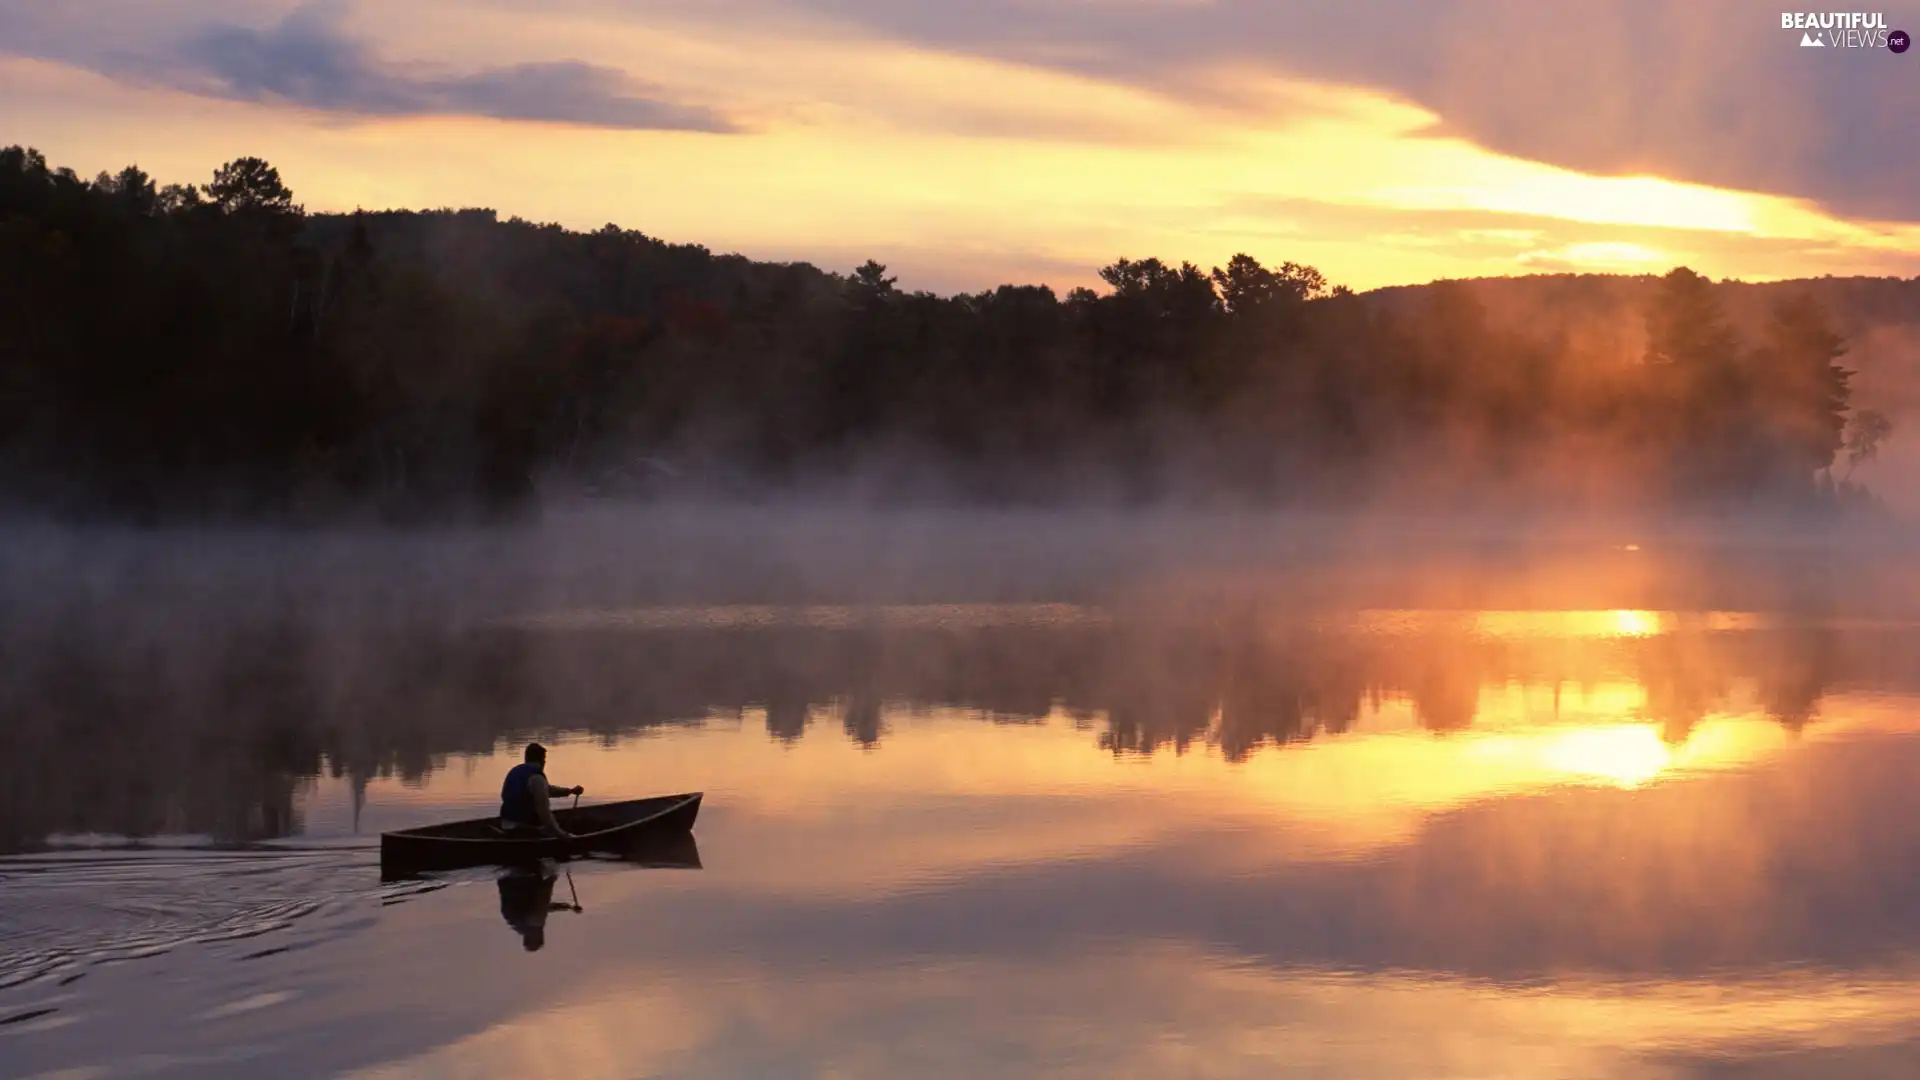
{"type": "Point", "coordinates": [1217, 672]}
{"type": "Point", "coordinates": [189, 681]}
{"type": "Point", "coordinates": [988, 793]}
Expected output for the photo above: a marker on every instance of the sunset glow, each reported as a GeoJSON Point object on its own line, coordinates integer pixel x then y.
{"type": "Point", "coordinates": [1336, 797]}
{"type": "Point", "coordinates": [1628, 756]}
{"type": "Point", "coordinates": [1568, 624]}
{"type": "Point", "coordinates": [898, 539]}
{"type": "Point", "coordinates": [960, 168]}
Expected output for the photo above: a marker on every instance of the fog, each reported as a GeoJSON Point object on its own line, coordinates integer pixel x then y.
{"type": "Point", "coordinates": [606, 554]}
{"type": "Point", "coordinates": [187, 680]}
{"type": "Point", "coordinates": [213, 353]}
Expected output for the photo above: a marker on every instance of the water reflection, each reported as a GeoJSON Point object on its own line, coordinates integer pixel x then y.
{"type": "Point", "coordinates": [220, 730]}
{"type": "Point", "coordinates": [984, 900]}
{"type": "Point", "coordinates": [526, 899]}
{"type": "Point", "coordinates": [973, 841]}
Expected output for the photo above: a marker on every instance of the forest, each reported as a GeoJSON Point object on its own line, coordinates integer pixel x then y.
{"type": "Point", "coordinates": [213, 351]}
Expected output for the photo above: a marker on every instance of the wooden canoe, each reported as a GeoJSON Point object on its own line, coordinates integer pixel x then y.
{"type": "Point", "coordinates": [608, 827]}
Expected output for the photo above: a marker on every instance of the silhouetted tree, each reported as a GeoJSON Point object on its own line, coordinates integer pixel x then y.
{"type": "Point", "coordinates": [871, 279]}
{"type": "Point", "coordinates": [1698, 390]}
{"type": "Point", "coordinates": [250, 185]}
{"type": "Point", "coordinates": [1801, 391]}
{"type": "Point", "coordinates": [182, 351]}
{"type": "Point", "coordinates": [1865, 431]}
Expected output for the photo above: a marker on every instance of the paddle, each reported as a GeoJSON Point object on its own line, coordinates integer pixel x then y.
{"type": "Point", "coordinates": [575, 849]}
{"type": "Point", "coordinates": [576, 893]}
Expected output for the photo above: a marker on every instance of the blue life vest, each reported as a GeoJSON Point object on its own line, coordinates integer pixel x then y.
{"type": "Point", "coordinates": [516, 801]}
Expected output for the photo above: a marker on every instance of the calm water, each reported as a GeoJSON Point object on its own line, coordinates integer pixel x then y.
{"type": "Point", "coordinates": [1063, 839]}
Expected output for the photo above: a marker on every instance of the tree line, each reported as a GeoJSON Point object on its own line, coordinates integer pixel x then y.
{"type": "Point", "coordinates": [215, 351]}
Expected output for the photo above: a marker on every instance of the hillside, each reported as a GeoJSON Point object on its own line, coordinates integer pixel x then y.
{"type": "Point", "coordinates": [216, 351]}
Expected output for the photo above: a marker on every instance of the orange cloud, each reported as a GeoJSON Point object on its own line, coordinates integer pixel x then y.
{"type": "Point", "coordinates": [960, 169]}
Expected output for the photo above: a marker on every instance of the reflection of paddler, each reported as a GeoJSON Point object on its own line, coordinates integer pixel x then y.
{"type": "Point", "coordinates": [526, 898]}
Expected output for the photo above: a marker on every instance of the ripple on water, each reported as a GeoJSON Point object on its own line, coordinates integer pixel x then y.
{"type": "Point", "coordinates": [69, 912]}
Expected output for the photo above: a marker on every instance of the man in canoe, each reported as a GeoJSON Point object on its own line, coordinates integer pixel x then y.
{"type": "Point", "coordinates": [526, 797]}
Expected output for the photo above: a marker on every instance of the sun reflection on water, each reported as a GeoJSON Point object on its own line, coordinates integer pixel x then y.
{"type": "Point", "coordinates": [1539, 625]}
{"type": "Point", "coordinates": [1627, 755]}
{"type": "Point", "coordinates": [1621, 623]}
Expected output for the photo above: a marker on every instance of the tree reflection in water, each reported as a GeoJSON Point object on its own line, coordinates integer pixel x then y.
{"type": "Point", "coordinates": [214, 729]}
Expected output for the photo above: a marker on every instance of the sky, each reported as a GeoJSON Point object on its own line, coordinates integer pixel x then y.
{"type": "Point", "coordinates": [966, 144]}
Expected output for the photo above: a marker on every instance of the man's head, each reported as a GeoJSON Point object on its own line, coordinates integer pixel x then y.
{"type": "Point", "coordinates": [536, 754]}
{"type": "Point", "coordinates": [533, 937]}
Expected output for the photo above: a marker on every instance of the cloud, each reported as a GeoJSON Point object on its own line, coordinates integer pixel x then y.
{"type": "Point", "coordinates": [308, 61]}
{"type": "Point", "coordinates": [969, 144]}
{"type": "Point", "coordinates": [573, 92]}
{"type": "Point", "coordinates": [1712, 92]}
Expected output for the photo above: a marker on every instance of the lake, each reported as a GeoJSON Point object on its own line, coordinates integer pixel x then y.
{"type": "Point", "coordinates": [1585, 815]}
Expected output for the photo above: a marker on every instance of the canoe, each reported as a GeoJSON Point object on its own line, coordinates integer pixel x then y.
{"type": "Point", "coordinates": [608, 827]}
